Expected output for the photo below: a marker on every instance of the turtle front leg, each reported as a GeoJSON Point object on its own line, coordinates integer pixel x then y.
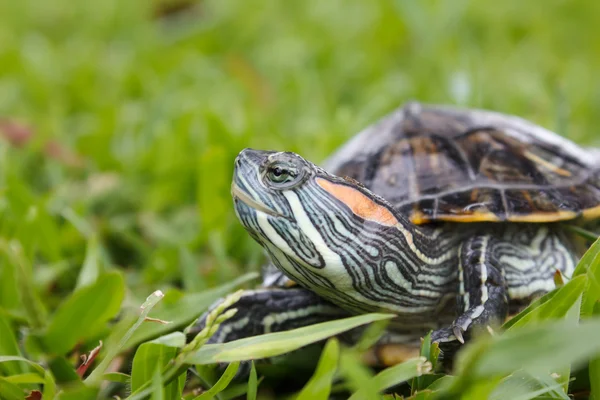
{"type": "Point", "coordinates": [271, 310]}
{"type": "Point", "coordinates": [482, 292]}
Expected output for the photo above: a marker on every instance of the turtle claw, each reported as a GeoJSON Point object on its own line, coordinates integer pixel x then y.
{"type": "Point", "coordinates": [458, 333]}
{"type": "Point", "coordinates": [449, 334]}
{"type": "Point", "coordinates": [448, 340]}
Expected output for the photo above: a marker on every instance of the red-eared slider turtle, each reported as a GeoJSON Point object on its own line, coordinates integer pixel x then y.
{"type": "Point", "coordinates": [448, 218]}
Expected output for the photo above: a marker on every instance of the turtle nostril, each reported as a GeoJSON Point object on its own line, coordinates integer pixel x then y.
{"type": "Point", "coordinates": [239, 159]}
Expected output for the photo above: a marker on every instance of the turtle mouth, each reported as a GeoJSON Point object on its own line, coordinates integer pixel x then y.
{"type": "Point", "coordinates": [241, 195]}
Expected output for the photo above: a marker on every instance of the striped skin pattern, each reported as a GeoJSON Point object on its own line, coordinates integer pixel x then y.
{"type": "Point", "coordinates": [362, 255]}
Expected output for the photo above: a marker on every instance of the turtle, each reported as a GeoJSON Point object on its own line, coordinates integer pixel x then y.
{"type": "Point", "coordinates": [449, 218]}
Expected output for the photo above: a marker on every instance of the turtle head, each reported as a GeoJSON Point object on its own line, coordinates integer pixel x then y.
{"type": "Point", "coordinates": [307, 220]}
{"type": "Point", "coordinates": [261, 180]}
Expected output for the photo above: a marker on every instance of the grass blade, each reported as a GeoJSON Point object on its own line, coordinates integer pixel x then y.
{"type": "Point", "coordinates": [183, 310]}
{"type": "Point", "coordinates": [536, 349]}
{"type": "Point", "coordinates": [222, 383]}
{"type": "Point", "coordinates": [9, 346]}
{"type": "Point", "coordinates": [357, 377]}
{"type": "Point", "coordinates": [34, 308]}
{"type": "Point", "coordinates": [157, 385]}
{"type": "Point", "coordinates": [274, 344]}
{"type": "Point", "coordinates": [49, 384]}
{"type": "Point", "coordinates": [557, 306]}
{"type": "Point", "coordinates": [397, 374]}
{"type": "Point", "coordinates": [319, 385]}
{"type": "Point", "coordinates": [96, 376]}
{"type": "Point", "coordinates": [10, 391]}
{"type": "Point", "coordinates": [85, 312]}
{"type": "Point", "coordinates": [149, 357]}
{"type": "Point", "coordinates": [252, 383]}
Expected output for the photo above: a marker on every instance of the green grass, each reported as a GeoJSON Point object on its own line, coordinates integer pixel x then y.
{"type": "Point", "coordinates": [120, 127]}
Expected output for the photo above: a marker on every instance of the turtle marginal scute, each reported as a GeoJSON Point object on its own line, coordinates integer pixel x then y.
{"type": "Point", "coordinates": [477, 216]}
{"type": "Point", "coordinates": [544, 217]}
{"type": "Point", "coordinates": [591, 213]}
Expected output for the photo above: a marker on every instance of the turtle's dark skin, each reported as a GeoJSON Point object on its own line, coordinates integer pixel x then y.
{"type": "Point", "coordinates": [448, 218]}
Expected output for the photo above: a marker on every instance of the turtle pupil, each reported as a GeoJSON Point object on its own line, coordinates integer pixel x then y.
{"type": "Point", "coordinates": [279, 175]}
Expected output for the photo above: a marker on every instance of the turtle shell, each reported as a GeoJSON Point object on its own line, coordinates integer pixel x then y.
{"type": "Point", "coordinates": [438, 163]}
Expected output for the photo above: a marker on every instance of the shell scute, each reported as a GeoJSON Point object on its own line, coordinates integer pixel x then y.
{"type": "Point", "coordinates": [440, 163]}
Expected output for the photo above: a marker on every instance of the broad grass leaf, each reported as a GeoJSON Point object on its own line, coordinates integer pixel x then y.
{"type": "Point", "coordinates": [572, 318]}
{"type": "Point", "coordinates": [421, 395]}
{"type": "Point", "coordinates": [118, 377]}
{"type": "Point", "coordinates": [588, 259]}
{"type": "Point", "coordinates": [147, 358]}
{"type": "Point", "coordinates": [539, 348]}
{"type": "Point", "coordinates": [150, 358]}
{"type": "Point", "coordinates": [157, 392]}
{"type": "Point", "coordinates": [173, 339]}
{"type": "Point", "coordinates": [27, 377]}
{"type": "Point", "coordinates": [537, 306]}
{"type": "Point", "coordinates": [274, 344]}
{"type": "Point", "coordinates": [442, 383]}
{"type": "Point", "coordinates": [523, 386]}
{"type": "Point", "coordinates": [49, 384]}
{"type": "Point", "coordinates": [174, 390]}
{"type": "Point", "coordinates": [84, 313]}
{"type": "Point", "coordinates": [397, 374]}
{"type": "Point", "coordinates": [63, 370]}
{"type": "Point", "coordinates": [594, 367]}
{"type": "Point", "coordinates": [222, 383]}
{"type": "Point", "coordinates": [235, 391]}
{"type": "Point", "coordinates": [10, 391]}
{"type": "Point", "coordinates": [529, 309]}
{"type": "Point", "coordinates": [591, 259]}
{"type": "Point", "coordinates": [92, 265]}
{"type": "Point", "coordinates": [78, 393]}
{"type": "Point", "coordinates": [183, 310]}
{"type": "Point", "coordinates": [319, 385]}
{"type": "Point", "coordinates": [555, 306]}
{"type": "Point", "coordinates": [480, 389]}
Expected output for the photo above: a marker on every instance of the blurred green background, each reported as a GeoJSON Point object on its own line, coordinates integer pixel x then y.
{"type": "Point", "coordinates": [120, 120]}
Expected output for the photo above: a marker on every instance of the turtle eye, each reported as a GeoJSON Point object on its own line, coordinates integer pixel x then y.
{"type": "Point", "coordinates": [278, 174]}
{"type": "Point", "coordinates": [282, 175]}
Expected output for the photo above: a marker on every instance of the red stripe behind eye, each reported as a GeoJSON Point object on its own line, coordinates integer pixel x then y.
{"type": "Point", "coordinates": [359, 203]}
